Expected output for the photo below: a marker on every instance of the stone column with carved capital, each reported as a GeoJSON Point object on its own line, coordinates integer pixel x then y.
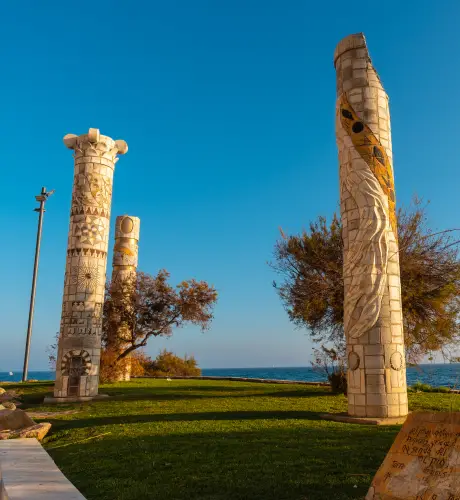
{"type": "Point", "coordinates": [125, 256]}
{"type": "Point", "coordinates": [372, 301]}
{"type": "Point", "coordinates": [79, 346]}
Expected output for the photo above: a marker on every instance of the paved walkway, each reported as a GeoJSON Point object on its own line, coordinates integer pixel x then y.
{"type": "Point", "coordinates": [27, 472]}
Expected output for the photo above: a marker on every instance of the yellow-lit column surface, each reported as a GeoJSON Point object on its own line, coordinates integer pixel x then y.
{"type": "Point", "coordinates": [125, 256]}
{"type": "Point", "coordinates": [77, 367]}
{"type": "Point", "coordinates": [372, 307]}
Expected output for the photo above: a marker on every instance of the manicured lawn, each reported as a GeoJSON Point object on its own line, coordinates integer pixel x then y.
{"type": "Point", "coordinates": [216, 440]}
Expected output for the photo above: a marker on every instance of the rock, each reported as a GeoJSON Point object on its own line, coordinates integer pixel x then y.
{"type": "Point", "coordinates": [14, 419]}
{"type": "Point", "coordinates": [38, 431]}
{"type": "Point", "coordinates": [6, 396]}
{"type": "Point", "coordinates": [8, 405]}
{"type": "Point", "coordinates": [2, 391]}
{"type": "Point", "coordinates": [17, 424]}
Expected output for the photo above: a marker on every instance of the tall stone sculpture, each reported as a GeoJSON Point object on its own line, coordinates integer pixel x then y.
{"type": "Point", "coordinates": [77, 366]}
{"type": "Point", "coordinates": [124, 265]}
{"type": "Point", "coordinates": [372, 306]}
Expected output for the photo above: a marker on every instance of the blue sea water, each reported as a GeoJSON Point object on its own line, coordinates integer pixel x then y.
{"type": "Point", "coordinates": [447, 375]}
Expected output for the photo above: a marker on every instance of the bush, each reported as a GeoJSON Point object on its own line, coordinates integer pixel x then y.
{"type": "Point", "coordinates": [338, 381]}
{"type": "Point", "coordinates": [168, 364]}
{"type": "Point", "coordinates": [421, 387]}
{"type": "Point", "coordinates": [139, 363]}
{"type": "Point", "coordinates": [112, 370]}
{"type": "Point", "coordinates": [330, 362]}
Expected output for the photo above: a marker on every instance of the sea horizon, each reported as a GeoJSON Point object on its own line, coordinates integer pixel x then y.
{"type": "Point", "coordinates": [235, 367]}
{"type": "Point", "coordinates": [435, 374]}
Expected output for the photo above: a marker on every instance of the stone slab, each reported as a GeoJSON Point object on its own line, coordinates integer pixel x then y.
{"type": "Point", "coordinates": [424, 461]}
{"type": "Point", "coordinates": [28, 472]}
{"type": "Point", "coordinates": [344, 417]}
{"type": "Point", "coordinates": [79, 399]}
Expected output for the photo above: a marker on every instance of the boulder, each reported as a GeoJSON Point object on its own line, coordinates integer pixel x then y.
{"type": "Point", "coordinates": [17, 424]}
{"type": "Point", "coordinates": [38, 431]}
{"type": "Point", "coordinates": [7, 395]}
{"type": "Point", "coordinates": [14, 419]}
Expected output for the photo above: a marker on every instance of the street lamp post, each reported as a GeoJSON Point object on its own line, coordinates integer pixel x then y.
{"type": "Point", "coordinates": [41, 198]}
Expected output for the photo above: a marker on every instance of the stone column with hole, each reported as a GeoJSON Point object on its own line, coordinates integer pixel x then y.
{"type": "Point", "coordinates": [124, 263]}
{"type": "Point", "coordinates": [79, 346]}
{"type": "Point", "coordinates": [372, 301]}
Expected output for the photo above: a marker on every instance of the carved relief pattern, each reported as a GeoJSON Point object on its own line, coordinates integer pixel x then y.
{"type": "Point", "coordinates": [371, 151]}
{"type": "Point", "coordinates": [81, 321]}
{"type": "Point", "coordinates": [372, 291]}
{"type": "Point", "coordinates": [89, 229]}
{"type": "Point", "coordinates": [86, 277]}
{"type": "Point", "coordinates": [92, 190]}
{"type": "Point", "coordinates": [66, 366]}
{"type": "Point", "coordinates": [370, 243]}
{"type": "Point", "coordinates": [124, 268]}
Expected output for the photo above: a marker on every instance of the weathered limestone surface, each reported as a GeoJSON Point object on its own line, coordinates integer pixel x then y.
{"type": "Point", "coordinates": [18, 424]}
{"type": "Point", "coordinates": [28, 472]}
{"type": "Point", "coordinates": [422, 463]}
{"type": "Point", "coordinates": [124, 263]}
{"type": "Point", "coordinates": [77, 367]}
{"type": "Point", "coordinates": [372, 307]}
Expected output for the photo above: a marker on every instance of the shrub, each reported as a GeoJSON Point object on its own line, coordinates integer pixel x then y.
{"type": "Point", "coordinates": [139, 363]}
{"type": "Point", "coordinates": [112, 368]}
{"type": "Point", "coordinates": [168, 364]}
{"type": "Point", "coordinates": [421, 387]}
{"type": "Point", "coordinates": [338, 381]}
{"type": "Point", "coordinates": [330, 362]}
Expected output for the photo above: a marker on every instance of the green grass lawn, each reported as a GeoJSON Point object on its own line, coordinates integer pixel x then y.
{"type": "Point", "coordinates": [216, 440]}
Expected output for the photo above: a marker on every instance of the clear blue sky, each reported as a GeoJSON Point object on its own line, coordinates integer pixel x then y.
{"type": "Point", "coordinates": [228, 111]}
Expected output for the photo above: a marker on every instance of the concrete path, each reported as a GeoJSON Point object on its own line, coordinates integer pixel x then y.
{"type": "Point", "coordinates": [27, 472]}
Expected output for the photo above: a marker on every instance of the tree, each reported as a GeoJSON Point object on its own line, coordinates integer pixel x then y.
{"type": "Point", "coordinates": [311, 269]}
{"type": "Point", "coordinates": [51, 351]}
{"type": "Point", "coordinates": [168, 364]}
{"type": "Point", "coordinates": [148, 306]}
{"type": "Point", "coordinates": [330, 362]}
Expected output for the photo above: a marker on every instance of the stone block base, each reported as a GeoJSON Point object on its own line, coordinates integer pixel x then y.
{"type": "Point", "coordinates": [74, 399]}
{"type": "Point", "coordinates": [344, 417]}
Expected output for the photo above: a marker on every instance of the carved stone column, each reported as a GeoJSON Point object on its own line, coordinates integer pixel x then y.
{"type": "Point", "coordinates": [125, 255]}
{"type": "Point", "coordinates": [77, 367]}
{"type": "Point", "coordinates": [372, 307]}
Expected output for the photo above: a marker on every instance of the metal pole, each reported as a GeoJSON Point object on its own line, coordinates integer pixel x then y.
{"type": "Point", "coordinates": [41, 198]}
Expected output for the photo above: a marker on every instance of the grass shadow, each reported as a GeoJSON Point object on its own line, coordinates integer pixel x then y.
{"type": "Point", "coordinates": [77, 423]}
{"type": "Point", "coordinates": [317, 462]}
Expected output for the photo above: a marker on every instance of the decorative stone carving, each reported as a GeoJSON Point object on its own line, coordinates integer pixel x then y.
{"type": "Point", "coordinates": [396, 361]}
{"type": "Point", "coordinates": [125, 254]}
{"type": "Point", "coordinates": [77, 372]}
{"type": "Point", "coordinates": [353, 360]}
{"type": "Point", "coordinates": [372, 298]}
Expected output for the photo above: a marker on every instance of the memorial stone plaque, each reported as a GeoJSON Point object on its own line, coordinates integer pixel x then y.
{"type": "Point", "coordinates": [423, 462]}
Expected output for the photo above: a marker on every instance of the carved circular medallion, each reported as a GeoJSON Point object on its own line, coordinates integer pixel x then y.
{"type": "Point", "coordinates": [127, 225]}
{"type": "Point", "coordinates": [396, 361]}
{"type": "Point", "coordinates": [353, 360]}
